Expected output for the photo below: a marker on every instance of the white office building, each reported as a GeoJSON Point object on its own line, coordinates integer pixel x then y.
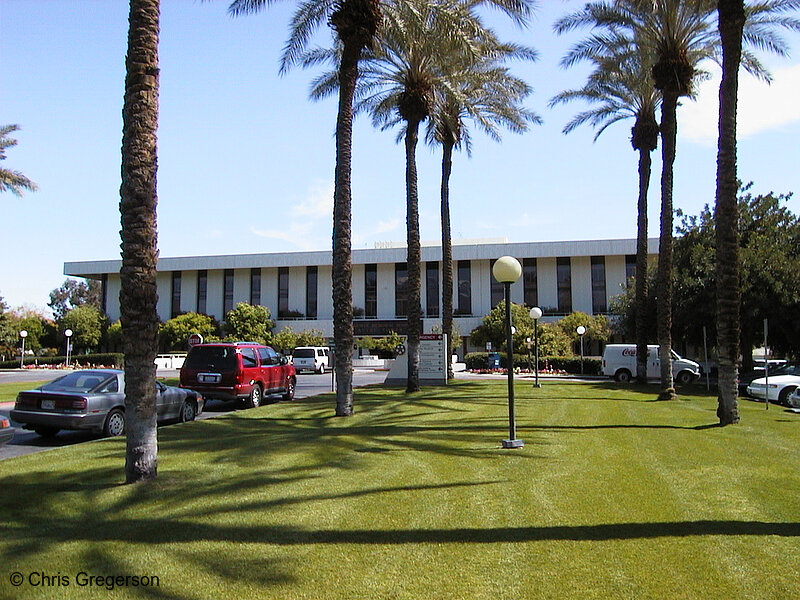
{"type": "Point", "coordinates": [559, 277]}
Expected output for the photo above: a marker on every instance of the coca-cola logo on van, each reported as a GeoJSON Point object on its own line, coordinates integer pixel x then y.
{"type": "Point", "coordinates": [629, 352]}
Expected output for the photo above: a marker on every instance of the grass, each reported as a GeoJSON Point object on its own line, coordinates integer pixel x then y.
{"type": "Point", "coordinates": [613, 496]}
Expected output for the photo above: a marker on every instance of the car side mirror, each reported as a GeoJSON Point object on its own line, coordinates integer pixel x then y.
{"type": "Point", "coordinates": [284, 360]}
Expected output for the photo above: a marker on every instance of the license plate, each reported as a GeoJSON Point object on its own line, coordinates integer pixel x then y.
{"type": "Point", "coordinates": [48, 404]}
{"type": "Point", "coordinates": [209, 377]}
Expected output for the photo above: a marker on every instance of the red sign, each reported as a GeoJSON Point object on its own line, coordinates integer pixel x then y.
{"type": "Point", "coordinates": [195, 339]}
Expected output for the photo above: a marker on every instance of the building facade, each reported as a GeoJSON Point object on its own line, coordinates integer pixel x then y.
{"type": "Point", "coordinates": [559, 277]}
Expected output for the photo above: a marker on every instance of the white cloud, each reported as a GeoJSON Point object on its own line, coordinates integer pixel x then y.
{"type": "Point", "coordinates": [297, 234]}
{"type": "Point", "coordinates": [318, 202]}
{"type": "Point", "coordinates": [762, 107]}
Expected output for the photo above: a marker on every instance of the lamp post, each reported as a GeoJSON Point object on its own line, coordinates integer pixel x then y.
{"type": "Point", "coordinates": [581, 330]}
{"type": "Point", "coordinates": [68, 335]}
{"type": "Point", "coordinates": [507, 270]}
{"type": "Point", "coordinates": [536, 314]}
{"type": "Point", "coordinates": [23, 334]}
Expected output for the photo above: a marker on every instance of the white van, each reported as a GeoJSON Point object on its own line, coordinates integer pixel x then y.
{"type": "Point", "coordinates": [619, 362]}
{"type": "Point", "coordinates": [311, 358]}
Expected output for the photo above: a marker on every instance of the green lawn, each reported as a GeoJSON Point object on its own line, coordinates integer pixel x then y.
{"type": "Point", "coordinates": [613, 496]}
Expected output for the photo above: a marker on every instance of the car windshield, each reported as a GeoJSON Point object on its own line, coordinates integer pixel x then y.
{"type": "Point", "coordinates": [787, 369]}
{"type": "Point", "coordinates": [79, 381]}
{"type": "Point", "coordinates": [213, 358]}
{"type": "Point", "coordinates": [303, 353]}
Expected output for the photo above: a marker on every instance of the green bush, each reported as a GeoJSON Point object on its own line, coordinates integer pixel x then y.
{"type": "Point", "coordinates": [569, 364]}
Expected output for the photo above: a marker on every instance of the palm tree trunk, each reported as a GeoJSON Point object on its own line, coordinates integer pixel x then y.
{"type": "Point", "coordinates": [447, 253]}
{"type": "Point", "coordinates": [342, 262]}
{"type": "Point", "coordinates": [414, 318]}
{"type": "Point", "coordinates": [641, 266]}
{"type": "Point", "coordinates": [731, 22]}
{"type": "Point", "coordinates": [669, 104]}
{"type": "Point", "coordinates": [138, 296]}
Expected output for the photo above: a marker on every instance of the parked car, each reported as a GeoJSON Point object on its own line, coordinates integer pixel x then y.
{"type": "Point", "coordinates": [619, 362]}
{"type": "Point", "coordinates": [238, 371]}
{"type": "Point", "coordinates": [793, 400]}
{"type": "Point", "coordinates": [311, 358]}
{"type": "Point", "coordinates": [95, 400]}
{"type": "Point", "coordinates": [6, 432]}
{"type": "Point", "coordinates": [781, 382]}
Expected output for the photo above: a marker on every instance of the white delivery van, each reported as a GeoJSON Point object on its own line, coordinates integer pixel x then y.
{"type": "Point", "coordinates": [311, 358]}
{"type": "Point", "coordinates": [619, 362]}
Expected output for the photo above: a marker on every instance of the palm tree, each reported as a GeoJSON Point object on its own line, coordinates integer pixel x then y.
{"type": "Point", "coordinates": [139, 240]}
{"type": "Point", "coordinates": [356, 22]}
{"type": "Point", "coordinates": [681, 35]}
{"type": "Point", "coordinates": [12, 181]}
{"type": "Point", "coordinates": [490, 96]}
{"type": "Point", "coordinates": [619, 88]}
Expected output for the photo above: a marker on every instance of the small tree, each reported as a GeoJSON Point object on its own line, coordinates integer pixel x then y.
{"type": "Point", "coordinates": [74, 293]}
{"type": "Point", "coordinates": [597, 327]}
{"type": "Point", "coordinates": [86, 323]}
{"type": "Point", "coordinates": [310, 337]}
{"type": "Point", "coordinates": [174, 334]}
{"type": "Point", "coordinates": [493, 328]}
{"type": "Point", "coordinates": [250, 323]}
{"type": "Point", "coordinates": [285, 340]}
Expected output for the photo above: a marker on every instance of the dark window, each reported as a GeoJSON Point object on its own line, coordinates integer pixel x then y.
{"type": "Point", "coordinates": [370, 290]}
{"type": "Point", "coordinates": [432, 289]}
{"type": "Point", "coordinates": [311, 292]}
{"type": "Point", "coordinates": [464, 288]}
{"type": "Point", "coordinates": [255, 287]}
{"type": "Point", "coordinates": [495, 287]}
{"type": "Point", "coordinates": [400, 289]}
{"type": "Point", "coordinates": [249, 358]}
{"type": "Point", "coordinates": [283, 291]}
{"type": "Point", "coordinates": [530, 282]}
{"type": "Point", "coordinates": [104, 293]}
{"type": "Point", "coordinates": [175, 307]}
{"type": "Point", "coordinates": [564, 276]}
{"type": "Point", "coordinates": [212, 358]}
{"type": "Point", "coordinates": [272, 357]}
{"type": "Point", "coordinates": [227, 292]}
{"type": "Point", "coordinates": [630, 266]}
{"type": "Point", "coordinates": [263, 354]}
{"type": "Point", "coordinates": [599, 285]}
{"type": "Point", "coordinates": [202, 291]}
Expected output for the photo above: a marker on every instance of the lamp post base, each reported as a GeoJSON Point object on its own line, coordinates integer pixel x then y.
{"type": "Point", "coordinates": [512, 443]}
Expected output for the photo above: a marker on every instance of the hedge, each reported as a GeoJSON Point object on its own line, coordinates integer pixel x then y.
{"type": "Point", "coordinates": [111, 359]}
{"type": "Point", "coordinates": [570, 364]}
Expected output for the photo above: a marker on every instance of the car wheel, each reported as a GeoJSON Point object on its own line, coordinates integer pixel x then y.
{"type": "Point", "coordinates": [188, 411]}
{"type": "Point", "coordinates": [115, 423]}
{"type": "Point", "coordinates": [623, 376]}
{"type": "Point", "coordinates": [685, 377]}
{"type": "Point", "coordinates": [254, 399]}
{"type": "Point", "coordinates": [46, 432]}
{"type": "Point", "coordinates": [289, 395]}
{"type": "Point", "coordinates": [783, 397]}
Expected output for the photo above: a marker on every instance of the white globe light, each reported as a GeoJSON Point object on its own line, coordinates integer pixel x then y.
{"type": "Point", "coordinates": [68, 332]}
{"type": "Point", "coordinates": [581, 330]}
{"type": "Point", "coordinates": [23, 334]}
{"type": "Point", "coordinates": [507, 269]}
{"type": "Point", "coordinates": [536, 313]}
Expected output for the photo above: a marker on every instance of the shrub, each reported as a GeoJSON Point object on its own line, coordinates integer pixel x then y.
{"type": "Point", "coordinates": [569, 364]}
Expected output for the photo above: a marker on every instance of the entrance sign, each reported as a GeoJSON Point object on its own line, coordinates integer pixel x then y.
{"type": "Point", "coordinates": [433, 355]}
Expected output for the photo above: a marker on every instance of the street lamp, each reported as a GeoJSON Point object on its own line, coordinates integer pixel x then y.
{"type": "Point", "coordinates": [581, 330]}
{"type": "Point", "coordinates": [536, 314]}
{"type": "Point", "coordinates": [68, 335]}
{"type": "Point", "coordinates": [23, 334]}
{"type": "Point", "coordinates": [507, 270]}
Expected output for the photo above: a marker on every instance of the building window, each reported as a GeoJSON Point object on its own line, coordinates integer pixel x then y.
{"type": "Point", "coordinates": [630, 266]}
{"type": "Point", "coordinates": [283, 292]}
{"type": "Point", "coordinates": [464, 288]}
{"type": "Point", "coordinates": [530, 282]}
{"type": "Point", "coordinates": [227, 292]}
{"type": "Point", "coordinates": [599, 305]}
{"type": "Point", "coordinates": [495, 287]}
{"type": "Point", "coordinates": [104, 293]}
{"type": "Point", "coordinates": [175, 307]}
{"type": "Point", "coordinates": [432, 289]}
{"type": "Point", "coordinates": [564, 278]}
{"type": "Point", "coordinates": [401, 289]}
{"type": "Point", "coordinates": [370, 291]}
{"type": "Point", "coordinates": [202, 291]}
{"type": "Point", "coordinates": [311, 292]}
{"type": "Point", "coordinates": [255, 287]}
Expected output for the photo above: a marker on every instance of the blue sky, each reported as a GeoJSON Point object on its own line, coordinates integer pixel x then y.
{"type": "Point", "coordinates": [246, 161]}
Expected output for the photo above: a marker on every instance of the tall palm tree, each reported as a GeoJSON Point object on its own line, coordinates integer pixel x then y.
{"type": "Point", "coordinates": [681, 34]}
{"type": "Point", "coordinates": [490, 96]}
{"type": "Point", "coordinates": [12, 181]}
{"type": "Point", "coordinates": [356, 22]}
{"type": "Point", "coordinates": [139, 240]}
{"type": "Point", "coordinates": [619, 88]}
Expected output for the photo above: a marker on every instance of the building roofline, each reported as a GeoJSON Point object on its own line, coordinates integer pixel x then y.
{"type": "Point", "coordinates": [481, 251]}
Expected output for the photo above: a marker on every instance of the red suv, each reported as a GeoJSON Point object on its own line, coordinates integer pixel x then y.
{"type": "Point", "coordinates": [238, 371]}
